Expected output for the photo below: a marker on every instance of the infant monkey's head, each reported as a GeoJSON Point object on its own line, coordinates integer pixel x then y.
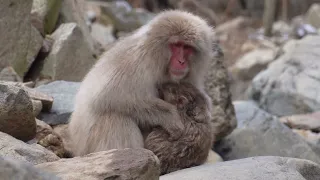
{"type": "Point", "coordinates": [185, 96]}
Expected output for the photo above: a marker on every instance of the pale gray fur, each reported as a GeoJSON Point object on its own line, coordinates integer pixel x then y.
{"type": "Point", "coordinates": [118, 98]}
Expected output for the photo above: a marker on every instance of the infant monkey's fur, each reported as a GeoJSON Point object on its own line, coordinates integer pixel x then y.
{"type": "Point", "coordinates": [193, 147]}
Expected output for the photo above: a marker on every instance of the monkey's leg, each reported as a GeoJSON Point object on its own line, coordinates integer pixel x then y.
{"type": "Point", "coordinates": [116, 132]}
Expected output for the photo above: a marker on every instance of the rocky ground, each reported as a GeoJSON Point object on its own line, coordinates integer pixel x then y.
{"type": "Point", "coordinates": [264, 89]}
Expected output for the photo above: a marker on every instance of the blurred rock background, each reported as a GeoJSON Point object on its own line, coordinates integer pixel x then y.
{"type": "Point", "coordinates": [265, 86]}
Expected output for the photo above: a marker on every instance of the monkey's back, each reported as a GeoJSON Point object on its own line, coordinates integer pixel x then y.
{"type": "Point", "coordinates": [190, 150]}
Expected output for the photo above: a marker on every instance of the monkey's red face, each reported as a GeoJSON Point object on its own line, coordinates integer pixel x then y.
{"type": "Point", "coordinates": [179, 60]}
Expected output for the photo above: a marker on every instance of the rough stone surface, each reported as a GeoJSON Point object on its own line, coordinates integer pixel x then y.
{"type": "Point", "coordinates": [20, 42]}
{"type": "Point", "coordinates": [37, 107]}
{"type": "Point", "coordinates": [217, 87]}
{"type": "Point", "coordinates": [122, 164]}
{"type": "Point", "coordinates": [313, 15]}
{"type": "Point", "coordinates": [260, 168]}
{"type": "Point", "coordinates": [252, 63]}
{"type": "Point", "coordinates": [16, 149]}
{"type": "Point", "coordinates": [73, 11]}
{"type": "Point", "coordinates": [11, 169]}
{"type": "Point", "coordinates": [63, 93]}
{"type": "Point", "coordinates": [303, 121]}
{"type": "Point", "coordinates": [102, 34]}
{"type": "Point", "coordinates": [236, 23]}
{"type": "Point", "coordinates": [46, 100]}
{"type": "Point", "coordinates": [9, 74]}
{"type": "Point", "coordinates": [261, 134]}
{"type": "Point", "coordinates": [70, 57]}
{"type": "Point", "coordinates": [290, 85]}
{"type": "Point", "coordinates": [35, 95]}
{"type": "Point", "coordinates": [124, 17]}
{"type": "Point", "coordinates": [48, 12]}
{"type": "Point", "coordinates": [16, 112]}
{"type": "Point", "coordinates": [309, 136]}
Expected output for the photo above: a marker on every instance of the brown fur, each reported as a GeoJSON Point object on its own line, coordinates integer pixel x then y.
{"type": "Point", "coordinates": [118, 98]}
{"type": "Point", "coordinates": [193, 147]}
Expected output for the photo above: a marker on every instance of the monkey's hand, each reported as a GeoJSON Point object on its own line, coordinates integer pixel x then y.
{"type": "Point", "coordinates": [174, 127]}
{"type": "Point", "coordinates": [160, 113]}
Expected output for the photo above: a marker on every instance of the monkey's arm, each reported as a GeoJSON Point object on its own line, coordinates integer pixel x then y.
{"type": "Point", "coordinates": [155, 112]}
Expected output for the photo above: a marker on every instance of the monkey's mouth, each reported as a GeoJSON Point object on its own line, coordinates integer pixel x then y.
{"type": "Point", "coordinates": [177, 72]}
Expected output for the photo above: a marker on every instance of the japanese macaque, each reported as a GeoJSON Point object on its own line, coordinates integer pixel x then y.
{"type": "Point", "coordinates": [118, 99]}
{"type": "Point", "coordinates": [193, 147]}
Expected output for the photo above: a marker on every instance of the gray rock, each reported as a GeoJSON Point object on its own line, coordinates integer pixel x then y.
{"type": "Point", "coordinates": [260, 168]}
{"type": "Point", "coordinates": [37, 107]}
{"type": "Point", "coordinates": [70, 58]}
{"type": "Point", "coordinates": [124, 17]}
{"type": "Point", "coordinates": [236, 23]}
{"type": "Point", "coordinates": [46, 100]}
{"type": "Point", "coordinates": [63, 93]}
{"type": "Point", "coordinates": [16, 149]}
{"type": "Point", "coordinates": [311, 137]}
{"type": "Point", "coordinates": [16, 112]}
{"type": "Point", "coordinates": [102, 34]}
{"type": "Point", "coordinates": [10, 169]}
{"type": "Point", "coordinates": [34, 94]}
{"type": "Point", "coordinates": [20, 41]}
{"type": "Point", "coordinates": [9, 74]}
{"type": "Point", "coordinates": [261, 134]}
{"type": "Point", "coordinates": [48, 12]}
{"type": "Point", "coordinates": [252, 63]}
{"type": "Point", "coordinates": [122, 164]}
{"type": "Point", "coordinates": [290, 85]}
{"type": "Point", "coordinates": [74, 11]}
{"type": "Point", "coordinates": [313, 15]}
{"type": "Point", "coordinates": [301, 28]}
{"type": "Point", "coordinates": [217, 87]}
{"type": "Point", "coordinates": [303, 121]}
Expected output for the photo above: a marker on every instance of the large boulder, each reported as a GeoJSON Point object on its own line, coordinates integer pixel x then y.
{"type": "Point", "coordinates": [11, 169]}
{"type": "Point", "coordinates": [124, 17]}
{"type": "Point", "coordinates": [303, 121]}
{"type": "Point", "coordinates": [290, 85]}
{"type": "Point", "coordinates": [18, 150]}
{"type": "Point", "coordinates": [47, 12]}
{"type": "Point", "coordinates": [252, 63]}
{"type": "Point", "coordinates": [74, 11]}
{"type": "Point", "coordinates": [63, 93]}
{"type": "Point", "coordinates": [9, 74]}
{"type": "Point", "coordinates": [217, 87]}
{"type": "Point", "coordinates": [16, 112]}
{"type": "Point", "coordinates": [70, 57]}
{"type": "Point", "coordinates": [313, 15]}
{"type": "Point", "coordinates": [20, 42]}
{"type": "Point", "coordinates": [261, 134]}
{"type": "Point", "coordinates": [262, 168]}
{"type": "Point", "coordinates": [102, 34]}
{"type": "Point", "coordinates": [122, 164]}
